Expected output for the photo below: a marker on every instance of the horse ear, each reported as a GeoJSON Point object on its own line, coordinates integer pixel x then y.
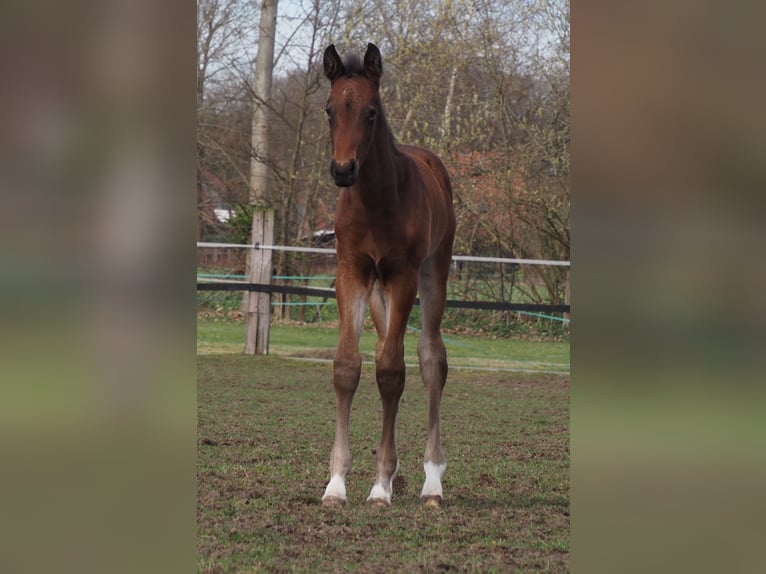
{"type": "Point", "coordinates": [373, 63]}
{"type": "Point", "coordinates": [333, 67]}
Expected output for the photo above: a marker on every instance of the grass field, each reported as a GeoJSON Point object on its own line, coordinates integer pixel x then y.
{"type": "Point", "coordinates": [264, 437]}
{"type": "Point", "coordinates": [222, 335]}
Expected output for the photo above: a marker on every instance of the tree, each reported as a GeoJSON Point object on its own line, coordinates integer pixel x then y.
{"type": "Point", "coordinates": [223, 27]}
{"type": "Point", "coordinates": [484, 83]}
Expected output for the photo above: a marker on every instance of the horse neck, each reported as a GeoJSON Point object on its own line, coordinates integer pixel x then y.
{"type": "Point", "coordinates": [378, 174]}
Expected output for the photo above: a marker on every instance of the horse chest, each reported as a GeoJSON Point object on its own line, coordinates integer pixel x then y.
{"type": "Point", "coordinates": [381, 239]}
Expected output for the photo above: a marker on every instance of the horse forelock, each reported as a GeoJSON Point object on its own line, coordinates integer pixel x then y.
{"type": "Point", "coordinates": [353, 64]}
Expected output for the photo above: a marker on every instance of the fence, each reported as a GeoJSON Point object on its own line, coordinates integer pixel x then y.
{"type": "Point", "coordinates": [236, 285]}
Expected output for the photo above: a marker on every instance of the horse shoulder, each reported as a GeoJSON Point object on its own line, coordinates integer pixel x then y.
{"type": "Point", "coordinates": [439, 225]}
{"type": "Point", "coordinates": [430, 165]}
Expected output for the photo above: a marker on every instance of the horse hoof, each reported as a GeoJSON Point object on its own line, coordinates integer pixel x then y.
{"type": "Point", "coordinates": [378, 503]}
{"type": "Point", "coordinates": [432, 501]}
{"type": "Point", "coordinates": [333, 501]}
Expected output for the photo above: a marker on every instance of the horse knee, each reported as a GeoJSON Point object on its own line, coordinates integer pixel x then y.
{"type": "Point", "coordinates": [433, 361]}
{"type": "Point", "coordinates": [347, 368]}
{"type": "Point", "coordinates": [431, 348]}
{"type": "Point", "coordinates": [389, 374]}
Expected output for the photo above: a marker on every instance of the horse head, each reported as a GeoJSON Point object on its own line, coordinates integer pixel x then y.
{"type": "Point", "coordinates": [353, 108]}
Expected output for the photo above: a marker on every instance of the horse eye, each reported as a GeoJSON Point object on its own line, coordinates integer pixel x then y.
{"type": "Point", "coordinates": [371, 113]}
{"type": "Point", "coordinates": [328, 111]}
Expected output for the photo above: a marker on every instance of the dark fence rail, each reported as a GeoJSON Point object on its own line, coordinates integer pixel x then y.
{"type": "Point", "coordinates": [330, 294]}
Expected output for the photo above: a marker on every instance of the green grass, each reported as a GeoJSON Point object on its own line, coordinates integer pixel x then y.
{"type": "Point", "coordinates": [264, 436]}
{"type": "Point", "coordinates": [219, 335]}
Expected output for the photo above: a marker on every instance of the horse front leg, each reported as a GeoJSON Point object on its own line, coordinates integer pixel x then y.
{"type": "Point", "coordinates": [389, 373]}
{"type": "Point", "coordinates": [352, 298]}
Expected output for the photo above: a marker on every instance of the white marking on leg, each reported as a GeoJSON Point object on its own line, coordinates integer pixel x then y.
{"type": "Point", "coordinates": [383, 492]}
{"type": "Point", "coordinates": [336, 488]}
{"type": "Point", "coordinates": [433, 484]}
{"type": "Point", "coordinates": [360, 307]}
{"type": "Point", "coordinates": [379, 492]}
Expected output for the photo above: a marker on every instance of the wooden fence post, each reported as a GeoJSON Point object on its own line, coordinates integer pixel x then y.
{"type": "Point", "coordinates": [259, 304]}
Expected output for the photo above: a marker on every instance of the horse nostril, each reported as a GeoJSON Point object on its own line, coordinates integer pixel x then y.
{"type": "Point", "coordinates": [345, 174]}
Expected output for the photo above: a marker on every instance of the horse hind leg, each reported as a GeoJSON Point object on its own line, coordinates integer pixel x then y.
{"type": "Point", "coordinates": [379, 313]}
{"type": "Point", "coordinates": [432, 356]}
{"type": "Point", "coordinates": [433, 367]}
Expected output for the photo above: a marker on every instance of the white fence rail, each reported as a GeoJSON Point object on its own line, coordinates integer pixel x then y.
{"type": "Point", "coordinates": [330, 251]}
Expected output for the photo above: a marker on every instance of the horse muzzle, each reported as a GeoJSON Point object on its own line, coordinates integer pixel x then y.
{"type": "Point", "coordinates": [344, 174]}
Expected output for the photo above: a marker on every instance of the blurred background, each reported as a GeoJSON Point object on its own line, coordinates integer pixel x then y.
{"type": "Point", "coordinates": [105, 116]}
{"type": "Point", "coordinates": [97, 379]}
{"type": "Point", "coordinates": [668, 310]}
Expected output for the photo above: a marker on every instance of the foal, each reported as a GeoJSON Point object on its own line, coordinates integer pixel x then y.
{"type": "Point", "coordinates": [394, 228]}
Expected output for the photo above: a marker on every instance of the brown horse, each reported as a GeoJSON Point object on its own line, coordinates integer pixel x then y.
{"type": "Point", "coordinates": [394, 227]}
